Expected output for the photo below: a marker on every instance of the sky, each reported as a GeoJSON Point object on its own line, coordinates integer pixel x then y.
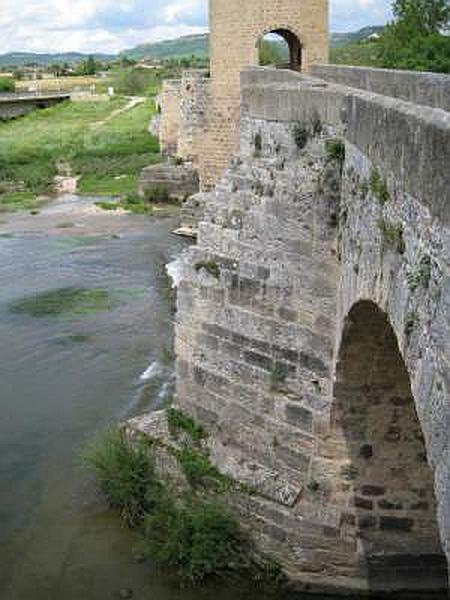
{"type": "Point", "coordinates": [113, 25]}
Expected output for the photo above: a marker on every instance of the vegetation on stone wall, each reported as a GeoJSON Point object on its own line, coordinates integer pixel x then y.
{"type": "Point", "coordinates": [392, 236]}
{"type": "Point", "coordinates": [210, 266]}
{"type": "Point", "coordinates": [189, 530]}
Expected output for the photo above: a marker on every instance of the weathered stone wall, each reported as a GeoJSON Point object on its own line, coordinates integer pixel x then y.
{"type": "Point", "coordinates": [169, 102]}
{"type": "Point", "coordinates": [194, 108]}
{"type": "Point", "coordinates": [431, 89]}
{"type": "Point", "coordinates": [178, 181]}
{"type": "Point", "coordinates": [312, 331]}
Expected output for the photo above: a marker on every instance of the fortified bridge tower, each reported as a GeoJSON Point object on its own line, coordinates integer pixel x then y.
{"type": "Point", "coordinates": [200, 115]}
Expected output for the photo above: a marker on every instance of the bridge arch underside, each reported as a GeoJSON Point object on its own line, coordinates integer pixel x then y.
{"type": "Point", "coordinates": [293, 43]}
{"type": "Point", "coordinates": [385, 482]}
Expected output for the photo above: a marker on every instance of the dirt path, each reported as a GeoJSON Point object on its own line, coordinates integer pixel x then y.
{"type": "Point", "coordinates": [133, 101]}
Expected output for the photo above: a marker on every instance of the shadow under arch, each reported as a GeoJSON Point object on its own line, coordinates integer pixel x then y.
{"type": "Point", "coordinates": [384, 483]}
{"type": "Point", "coordinates": [294, 46]}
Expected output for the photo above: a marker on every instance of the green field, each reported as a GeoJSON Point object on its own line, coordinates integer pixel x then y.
{"type": "Point", "coordinates": [108, 155]}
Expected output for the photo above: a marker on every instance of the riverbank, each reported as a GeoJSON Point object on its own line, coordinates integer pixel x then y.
{"type": "Point", "coordinates": [104, 144]}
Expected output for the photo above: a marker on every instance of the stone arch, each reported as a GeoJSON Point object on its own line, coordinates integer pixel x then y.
{"type": "Point", "coordinates": [384, 483]}
{"type": "Point", "coordinates": [292, 40]}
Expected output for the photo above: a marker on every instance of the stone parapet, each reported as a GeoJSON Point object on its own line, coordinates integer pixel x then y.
{"type": "Point", "coordinates": [430, 89]}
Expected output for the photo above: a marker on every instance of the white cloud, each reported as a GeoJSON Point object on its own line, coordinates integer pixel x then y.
{"type": "Point", "coordinates": [112, 25]}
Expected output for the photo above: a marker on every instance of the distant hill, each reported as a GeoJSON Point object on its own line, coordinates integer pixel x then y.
{"type": "Point", "coordinates": [190, 45]}
{"type": "Point", "coordinates": [338, 40]}
{"type": "Point", "coordinates": [198, 45]}
{"type": "Point", "coordinates": [187, 46]}
{"type": "Point", "coordinates": [19, 59]}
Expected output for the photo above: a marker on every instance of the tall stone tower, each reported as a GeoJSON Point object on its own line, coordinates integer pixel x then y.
{"type": "Point", "coordinates": [200, 120]}
{"type": "Point", "coordinates": [236, 30]}
{"type": "Point", "coordinates": [237, 27]}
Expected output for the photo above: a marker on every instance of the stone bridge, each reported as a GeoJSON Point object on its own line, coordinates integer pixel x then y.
{"type": "Point", "coordinates": [313, 323]}
{"type": "Point", "coordinates": [17, 105]}
{"type": "Point", "coordinates": [312, 333]}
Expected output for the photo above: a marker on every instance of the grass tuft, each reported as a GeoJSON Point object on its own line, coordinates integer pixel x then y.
{"type": "Point", "coordinates": [199, 540]}
{"type": "Point", "coordinates": [179, 423]}
{"type": "Point", "coordinates": [125, 475]}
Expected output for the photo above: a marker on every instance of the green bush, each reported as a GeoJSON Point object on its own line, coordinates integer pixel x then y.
{"type": "Point", "coordinates": [378, 186]}
{"type": "Point", "coordinates": [135, 81]}
{"type": "Point", "coordinates": [189, 531]}
{"type": "Point", "coordinates": [199, 470]}
{"type": "Point", "coordinates": [199, 539]}
{"type": "Point", "coordinates": [278, 375]}
{"type": "Point", "coordinates": [125, 475]}
{"type": "Point", "coordinates": [392, 235]}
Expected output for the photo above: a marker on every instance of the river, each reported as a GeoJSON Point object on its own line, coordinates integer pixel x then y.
{"type": "Point", "coordinates": [66, 376]}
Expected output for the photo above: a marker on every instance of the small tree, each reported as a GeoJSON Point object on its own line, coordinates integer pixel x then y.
{"type": "Point", "coordinates": [89, 66]}
{"type": "Point", "coordinates": [425, 16]}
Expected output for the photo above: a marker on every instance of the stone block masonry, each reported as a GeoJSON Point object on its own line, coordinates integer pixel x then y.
{"type": "Point", "coordinates": [312, 332]}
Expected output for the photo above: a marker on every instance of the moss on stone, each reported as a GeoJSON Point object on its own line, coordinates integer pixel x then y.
{"type": "Point", "coordinates": [421, 274]}
{"type": "Point", "coordinates": [392, 235]}
{"type": "Point", "coordinates": [378, 186]}
{"type": "Point", "coordinates": [301, 136]}
{"type": "Point", "coordinates": [210, 266]}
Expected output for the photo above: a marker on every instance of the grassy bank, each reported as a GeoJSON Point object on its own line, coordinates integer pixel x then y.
{"type": "Point", "coordinates": [107, 154]}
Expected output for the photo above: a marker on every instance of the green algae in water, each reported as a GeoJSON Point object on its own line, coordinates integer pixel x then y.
{"type": "Point", "coordinates": [79, 338]}
{"type": "Point", "coordinates": [76, 241]}
{"type": "Point", "coordinates": [66, 225]}
{"type": "Point", "coordinates": [66, 301]}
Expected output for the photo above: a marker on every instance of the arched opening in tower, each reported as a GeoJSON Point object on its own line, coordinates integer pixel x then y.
{"type": "Point", "coordinates": [281, 49]}
{"type": "Point", "coordinates": [384, 483]}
